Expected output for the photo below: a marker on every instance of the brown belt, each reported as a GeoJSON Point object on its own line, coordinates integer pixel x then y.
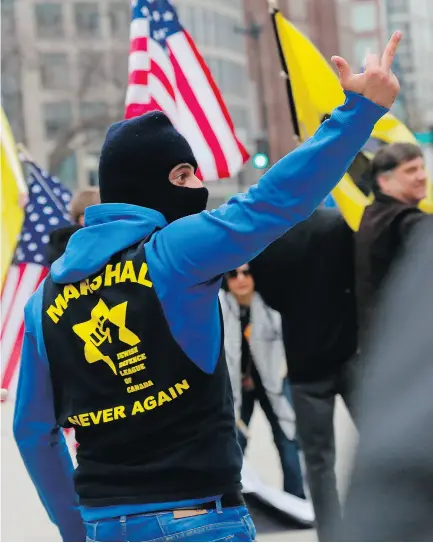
{"type": "Point", "coordinates": [231, 499]}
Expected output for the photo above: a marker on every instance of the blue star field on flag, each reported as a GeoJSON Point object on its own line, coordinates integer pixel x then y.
{"type": "Point", "coordinates": [46, 210]}
{"type": "Point", "coordinates": [162, 17]}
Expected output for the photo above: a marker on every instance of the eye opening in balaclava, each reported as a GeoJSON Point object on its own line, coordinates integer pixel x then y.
{"type": "Point", "coordinates": [136, 159]}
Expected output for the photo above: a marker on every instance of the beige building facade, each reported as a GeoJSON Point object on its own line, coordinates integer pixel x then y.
{"type": "Point", "coordinates": [67, 68]}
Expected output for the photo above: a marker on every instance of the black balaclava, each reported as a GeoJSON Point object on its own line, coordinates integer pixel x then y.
{"type": "Point", "coordinates": [136, 159]}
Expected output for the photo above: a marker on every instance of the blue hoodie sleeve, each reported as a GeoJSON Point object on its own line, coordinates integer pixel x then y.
{"type": "Point", "coordinates": [199, 247]}
{"type": "Point", "coordinates": [187, 258]}
{"type": "Point", "coordinates": [40, 441]}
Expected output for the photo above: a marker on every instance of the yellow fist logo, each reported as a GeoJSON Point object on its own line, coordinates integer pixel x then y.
{"type": "Point", "coordinates": [96, 331]}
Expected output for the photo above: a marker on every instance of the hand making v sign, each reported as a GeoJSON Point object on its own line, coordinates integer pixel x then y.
{"type": "Point", "coordinates": [377, 82]}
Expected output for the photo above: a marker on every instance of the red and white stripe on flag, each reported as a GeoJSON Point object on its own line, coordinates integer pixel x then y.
{"type": "Point", "coordinates": [169, 74]}
{"type": "Point", "coordinates": [21, 281]}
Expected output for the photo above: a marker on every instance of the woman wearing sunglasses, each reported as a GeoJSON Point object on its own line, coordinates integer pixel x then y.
{"type": "Point", "coordinates": [258, 370]}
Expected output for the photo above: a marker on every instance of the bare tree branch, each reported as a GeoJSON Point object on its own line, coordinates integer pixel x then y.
{"type": "Point", "coordinates": [93, 78]}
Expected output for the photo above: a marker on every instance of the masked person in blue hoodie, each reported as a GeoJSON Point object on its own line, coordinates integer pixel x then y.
{"type": "Point", "coordinates": [124, 339]}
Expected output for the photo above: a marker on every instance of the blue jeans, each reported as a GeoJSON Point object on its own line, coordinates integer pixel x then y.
{"type": "Point", "coordinates": [288, 449]}
{"type": "Point", "coordinates": [228, 524]}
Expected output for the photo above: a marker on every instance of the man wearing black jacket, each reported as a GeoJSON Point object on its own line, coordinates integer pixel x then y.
{"type": "Point", "coordinates": [308, 276]}
{"type": "Point", "coordinates": [399, 182]}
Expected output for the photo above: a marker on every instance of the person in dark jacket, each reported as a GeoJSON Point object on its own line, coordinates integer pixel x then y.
{"type": "Point", "coordinates": [124, 339]}
{"type": "Point", "coordinates": [308, 276]}
{"type": "Point", "coordinates": [390, 497]}
{"type": "Point", "coordinates": [59, 238]}
{"type": "Point", "coordinates": [399, 183]}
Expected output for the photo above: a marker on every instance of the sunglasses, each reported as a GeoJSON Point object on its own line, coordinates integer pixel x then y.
{"type": "Point", "coordinates": [233, 274]}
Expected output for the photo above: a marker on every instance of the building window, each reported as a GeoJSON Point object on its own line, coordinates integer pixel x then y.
{"type": "Point", "coordinates": [404, 60]}
{"type": "Point", "coordinates": [232, 77]}
{"type": "Point", "coordinates": [120, 18]}
{"type": "Point", "coordinates": [54, 70]}
{"type": "Point", "coordinates": [91, 68]}
{"type": "Point", "coordinates": [57, 118]}
{"type": "Point", "coordinates": [67, 171]}
{"type": "Point", "coordinates": [13, 108]}
{"type": "Point", "coordinates": [209, 27]}
{"type": "Point", "coordinates": [240, 117]}
{"type": "Point", "coordinates": [7, 19]}
{"type": "Point", "coordinates": [298, 9]}
{"type": "Point", "coordinates": [200, 29]}
{"type": "Point", "coordinates": [404, 27]}
{"type": "Point", "coordinates": [94, 117]}
{"type": "Point", "coordinates": [49, 20]}
{"type": "Point", "coordinates": [397, 5]}
{"type": "Point", "coordinates": [363, 47]}
{"type": "Point", "coordinates": [11, 84]}
{"type": "Point", "coordinates": [229, 34]}
{"type": "Point", "coordinates": [410, 87]}
{"type": "Point", "coordinates": [186, 18]}
{"type": "Point", "coordinates": [118, 69]}
{"type": "Point", "coordinates": [91, 163]}
{"type": "Point", "coordinates": [229, 76]}
{"type": "Point", "coordinates": [364, 17]}
{"type": "Point", "coordinates": [210, 37]}
{"type": "Point", "coordinates": [87, 19]}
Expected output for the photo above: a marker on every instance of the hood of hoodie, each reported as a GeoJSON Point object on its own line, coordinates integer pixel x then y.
{"type": "Point", "coordinates": [108, 228]}
{"type": "Point", "coordinates": [58, 240]}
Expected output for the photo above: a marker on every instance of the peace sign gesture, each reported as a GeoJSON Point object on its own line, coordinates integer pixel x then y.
{"type": "Point", "coordinates": [377, 82]}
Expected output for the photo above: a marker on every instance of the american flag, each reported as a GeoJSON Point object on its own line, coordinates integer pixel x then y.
{"type": "Point", "coordinates": [167, 72]}
{"type": "Point", "coordinates": [46, 210]}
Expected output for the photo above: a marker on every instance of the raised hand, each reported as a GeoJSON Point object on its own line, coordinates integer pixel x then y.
{"type": "Point", "coordinates": [377, 82]}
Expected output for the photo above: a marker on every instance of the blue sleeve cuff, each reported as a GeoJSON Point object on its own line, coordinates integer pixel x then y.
{"type": "Point", "coordinates": [363, 110]}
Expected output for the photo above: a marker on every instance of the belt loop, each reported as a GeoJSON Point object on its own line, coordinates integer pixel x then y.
{"type": "Point", "coordinates": [219, 507]}
{"type": "Point", "coordinates": [122, 520]}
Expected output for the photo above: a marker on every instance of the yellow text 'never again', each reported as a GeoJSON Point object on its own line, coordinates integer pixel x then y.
{"type": "Point", "coordinates": [140, 406]}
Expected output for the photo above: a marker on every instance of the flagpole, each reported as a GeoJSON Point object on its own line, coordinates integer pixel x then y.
{"type": "Point", "coordinates": [24, 153]}
{"type": "Point", "coordinates": [273, 10]}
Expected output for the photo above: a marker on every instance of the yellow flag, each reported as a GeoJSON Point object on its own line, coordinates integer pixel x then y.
{"type": "Point", "coordinates": [317, 91]}
{"type": "Point", "coordinates": [12, 187]}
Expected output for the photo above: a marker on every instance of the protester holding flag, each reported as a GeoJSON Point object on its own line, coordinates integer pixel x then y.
{"type": "Point", "coordinates": [124, 340]}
